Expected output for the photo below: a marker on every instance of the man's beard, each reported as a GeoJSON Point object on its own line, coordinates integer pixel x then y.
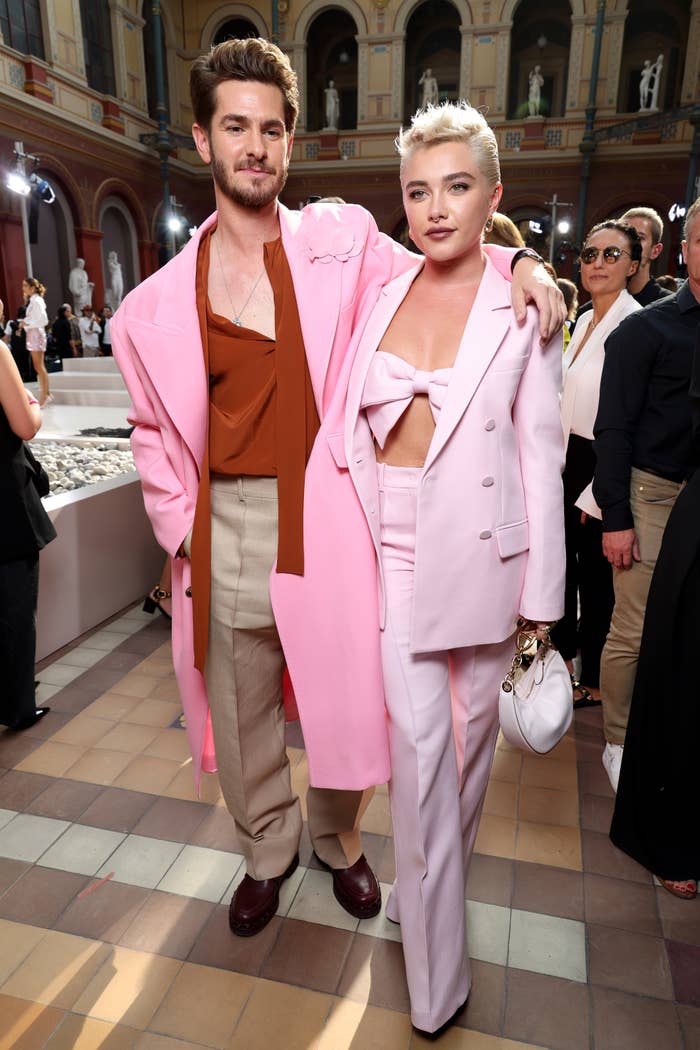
{"type": "Point", "coordinates": [254, 197]}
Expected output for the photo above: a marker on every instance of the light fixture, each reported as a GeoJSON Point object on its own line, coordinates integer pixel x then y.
{"type": "Point", "coordinates": [542, 41]}
{"type": "Point", "coordinates": [175, 224]}
{"type": "Point", "coordinates": [42, 189]}
{"type": "Point", "coordinates": [343, 57]}
{"type": "Point", "coordinates": [564, 226]}
{"type": "Point", "coordinates": [534, 226]}
{"type": "Point", "coordinates": [18, 183]}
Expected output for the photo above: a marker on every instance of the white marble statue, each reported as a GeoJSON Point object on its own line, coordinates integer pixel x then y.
{"type": "Point", "coordinates": [431, 93]}
{"type": "Point", "coordinates": [80, 287]}
{"type": "Point", "coordinates": [656, 81]}
{"type": "Point", "coordinates": [115, 293]}
{"type": "Point", "coordinates": [534, 96]}
{"type": "Point", "coordinates": [649, 81]}
{"type": "Point", "coordinates": [332, 106]}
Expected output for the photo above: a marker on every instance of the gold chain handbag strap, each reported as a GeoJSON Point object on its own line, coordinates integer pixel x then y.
{"type": "Point", "coordinates": [524, 639]}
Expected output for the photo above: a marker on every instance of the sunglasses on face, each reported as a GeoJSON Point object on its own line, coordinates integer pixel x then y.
{"type": "Point", "coordinates": [611, 254]}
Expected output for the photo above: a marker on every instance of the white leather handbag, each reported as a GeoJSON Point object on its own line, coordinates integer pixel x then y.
{"type": "Point", "coordinates": [536, 702]}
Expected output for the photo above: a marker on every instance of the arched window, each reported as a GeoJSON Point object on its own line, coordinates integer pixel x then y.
{"type": "Point", "coordinates": [119, 229]}
{"type": "Point", "coordinates": [97, 45]}
{"type": "Point", "coordinates": [541, 37]}
{"type": "Point", "coordinates": [653, 31]}
{"type": "Point", "coordinates": [150, 61]}
{"type": "Point", "coordinates": [332, 60]}
{"type": "Point", "coordinates": [240, 28]}
{"type": "Point", "coordinates": [433, 46]}
{"type": "Point", "coordinates": [21, 26]}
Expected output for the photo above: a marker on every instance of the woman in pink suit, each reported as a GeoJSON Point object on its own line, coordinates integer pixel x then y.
{"type": "Point", "coordinates": [454, 444]}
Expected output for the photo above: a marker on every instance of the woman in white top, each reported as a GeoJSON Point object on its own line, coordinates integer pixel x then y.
{"type": "Point", "coordinates": [35, 321]}
{"type": "Point", "coordinates": [609, 258]}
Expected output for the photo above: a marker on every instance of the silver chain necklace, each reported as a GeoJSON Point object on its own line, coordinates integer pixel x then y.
{"type": "Point", "coordinates": [237, 314]}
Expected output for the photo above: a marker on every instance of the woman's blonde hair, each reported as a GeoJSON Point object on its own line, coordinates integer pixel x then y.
{"type": "Point", "coordinates": [453, 122]}
{"type": "Point", "coordinates": [35, 285]}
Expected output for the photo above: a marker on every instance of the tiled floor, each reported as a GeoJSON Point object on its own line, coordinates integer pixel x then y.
{"type": "Point", "coordinates": [115, 879]}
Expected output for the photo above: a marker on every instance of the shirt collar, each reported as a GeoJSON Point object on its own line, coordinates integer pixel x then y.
{"type": "Point", "coordinates": [685, 299]}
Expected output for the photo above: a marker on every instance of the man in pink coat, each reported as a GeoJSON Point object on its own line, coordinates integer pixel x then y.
{"type": "Point", "coordinates": [234, 354]}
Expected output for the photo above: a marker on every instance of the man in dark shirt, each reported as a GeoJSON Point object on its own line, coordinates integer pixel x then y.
{"type": "Point", "coordinates": [643, 441]}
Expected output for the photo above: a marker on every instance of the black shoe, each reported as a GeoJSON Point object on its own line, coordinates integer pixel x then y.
{"type": "Point", "coordinates": [33, 719]}
{"type": "Point", "coordinates": [153, 600]}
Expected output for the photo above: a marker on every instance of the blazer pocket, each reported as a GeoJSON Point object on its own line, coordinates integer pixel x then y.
{"type": "Point", "coordinates": [513, 539]}
{"type": "Point", "coordinates": [336, 443]}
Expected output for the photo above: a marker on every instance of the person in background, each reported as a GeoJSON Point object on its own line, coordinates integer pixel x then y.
{"type": "Point", "coordinates": [668, 283]}
{"type": "Point", "coordinates": [61, 332]}
{"type": "Point", "coordinates": [75, 340]}
{"type": "Point", "coordinates": [16, 338]}
{"type": "Point", "coordinates": [570, 292]}
{"type": "Point", "coordinates": [34, 324]}
{"type": "Point", "coordinates": [90, 332]}
{"type": "Point", "coordinates": [609, 258]}
{"type": "Point", "coordinates": [105, 334]}
{"type": "Point", "coordinates": [503, 231]}
{"type": "Point", "coordinates": [25, 528]}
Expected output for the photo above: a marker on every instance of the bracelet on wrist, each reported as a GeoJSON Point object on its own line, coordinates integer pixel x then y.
{"type": "Point", "coordinates": [525, 253]}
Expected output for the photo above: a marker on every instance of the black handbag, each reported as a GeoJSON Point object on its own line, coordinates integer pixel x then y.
{"type": "Point", "coordinates": [40, 479]}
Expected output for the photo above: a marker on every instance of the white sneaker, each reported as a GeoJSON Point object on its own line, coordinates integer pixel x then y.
{"type": "Point", "coordinates": [612, 760]}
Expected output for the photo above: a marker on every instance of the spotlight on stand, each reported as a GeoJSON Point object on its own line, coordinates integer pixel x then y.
{"type": "Point", "coordinates": [18, 183]}
{"type": "Point", "coordinates": [42, 189]}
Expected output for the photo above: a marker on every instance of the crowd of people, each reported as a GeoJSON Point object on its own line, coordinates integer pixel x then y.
{"type": "Point", "coordinates": [356, 469]}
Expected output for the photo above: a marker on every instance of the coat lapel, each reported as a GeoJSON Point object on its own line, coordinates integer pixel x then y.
{"type": "Point", "coordinates": [487, 325]}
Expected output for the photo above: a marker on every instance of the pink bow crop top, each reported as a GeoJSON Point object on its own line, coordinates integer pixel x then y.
{"type": "Point", "coordinates": [391, 385]}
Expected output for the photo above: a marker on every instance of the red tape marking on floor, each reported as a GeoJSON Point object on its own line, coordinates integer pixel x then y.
{"type": "Point", "coordinates": [95, 885]}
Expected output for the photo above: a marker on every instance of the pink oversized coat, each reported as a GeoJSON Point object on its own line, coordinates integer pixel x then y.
{"type": "Point", "coordinates": [328, 619]}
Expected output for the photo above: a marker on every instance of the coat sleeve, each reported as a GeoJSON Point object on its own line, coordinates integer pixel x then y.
{"type": "Point", "coordinates": [541, 449]}
{"type": "Point", "coordinates": [168, 505]}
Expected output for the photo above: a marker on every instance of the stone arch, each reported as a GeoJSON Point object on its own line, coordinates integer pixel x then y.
{"type": "Point", "coordinates": [317, 7]}
{"type": "Point", "coordinates": [578, 9]}
{"type": "Point", "coordinates": [118, 227]}
{"type": "Point", "coordinates": [51, 166]}
{"type": "Point", "coordinates": [118, 188]}
{"type": "Point", "coordinates": [226, 11]}
{"type": "Point", "coordinates": [408, 7]}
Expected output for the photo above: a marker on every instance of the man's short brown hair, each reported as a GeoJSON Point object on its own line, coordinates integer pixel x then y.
{"type": "Point", "coordinates": [252, 59]}
{"type": "Point", "coordinates": [657, 224]}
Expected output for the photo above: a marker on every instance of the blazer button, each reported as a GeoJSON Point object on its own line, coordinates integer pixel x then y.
{"type": "Point", "coordinates": [485, 535]}
{"type": "Point", "coordinates": [487, 482]}
{"type": "Point", "coordinates": [490, 424]}
{"type": "Point", "coordinates": [188, 592]}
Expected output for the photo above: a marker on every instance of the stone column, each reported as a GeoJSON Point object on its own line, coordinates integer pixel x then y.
{"type": "Point", "coordinates": [465, 61]}
{"type": "Point", "coordinates": [362, 78]}
{"type": "Point", "coordinates": [398, 73]}
{"type": "Point", "coordinates": [615, 32]}
{"type": "Point", "coordinates": [297, 56]}
{"type": "Point", "coordinates": [118, 26]}
{"type": "Point", "coordinates": [691, 74]}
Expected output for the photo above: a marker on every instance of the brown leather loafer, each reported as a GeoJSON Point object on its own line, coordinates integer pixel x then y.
{"type": "Point", "coordinates": [256, 901]}
{"type": "Point", "coordinates": [356, 888]}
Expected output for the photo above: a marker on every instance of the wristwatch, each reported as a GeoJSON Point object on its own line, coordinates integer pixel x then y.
{"type": "Point", "coordinates": [525, 253]}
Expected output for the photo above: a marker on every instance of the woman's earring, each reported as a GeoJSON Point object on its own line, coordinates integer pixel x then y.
{"type": "Point", "coordinates": [488, 225]}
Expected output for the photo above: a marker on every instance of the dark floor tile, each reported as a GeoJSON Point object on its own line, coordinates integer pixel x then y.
{"type": "Point", "coordinates": [73, 699]}
{"type": "Point", "coordinates": [690, 1025]}
{"type": "Point", "coordinates": [680, 920]}
{"type": "Point", "coordinates": [45, 728]}
{"type": "Point", "coordinates": [120, 661]}
{"type": "Point", "coordinates": [10, 871]}
{"type": "Point", "coordinates": [590, 719]}
{"type": "Point", "coordinates": [386, 869]}
{"type": "Point", "coordinates": [308, 954]}
{"type": "Point", "coordinates": [105, 913]}
{"type": "Point", "coordinates": [547, 1010]}
{"type": "Point", "coordinates": [217, 946]}
{"type": "Point", "coordinates": [65, 799]}
{"type": "Point", "coordinates": [15, 746]}
{"type": "Point", "coordinates": [685, 971]}
{"type": "Point", "coordinates": [172, 818]}
{"type": "Point", "coordinates": [628, 1022]}
{"type": "Point", "coordinates": [551, 891]}
{"type": "Point", "coordinates": [621, 903]}
{"type": "Point", "coordinates": [628, 961]}
{"type": "Point", "coordinates": [40, 896]}
{"type": "Point", "coordinates": [490, 880]}
{"type": "Point", "coordinates": [589, 750]}
{"type": "Point", "coordinates": [593, 780]}
{"type": "Point", "coordinates": [18, 789]}
{"type": "Point", "coordinates": [375, 968]}
{"type": "Point", "coordinates": [216, 831]}
{"type": "Point", "coordinates": [373, 848]}
{"type": "Point", "coordinates": [98, 680]}
{"type": "Point", "coordinates": [306, 850]}
{"type": "Point", "coordinates": [117, 809]}
{"type": "Point", "coordinates": [602, 858]}
{"type": "Point", "coordinates": [484, 1009]}
{"type": "Point", "coordinates": [167, 924]}
{"type": "Point", "coordinates": [144, 642]}
{"type": "Point", "coordinates": [596, 813]}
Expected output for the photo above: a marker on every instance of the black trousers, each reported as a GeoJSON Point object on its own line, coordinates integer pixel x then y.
{"type": "Point", "coordinates": [19, 590]}
{"type": "Point", "coordinates": [588, 572]}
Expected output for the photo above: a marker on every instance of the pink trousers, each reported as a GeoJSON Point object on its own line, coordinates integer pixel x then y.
{"type": "Point", "coordinates": [443, 723]}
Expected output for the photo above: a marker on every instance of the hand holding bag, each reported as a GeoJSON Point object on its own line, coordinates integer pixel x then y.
{"type": "Point", "coordinates": [535, 705]}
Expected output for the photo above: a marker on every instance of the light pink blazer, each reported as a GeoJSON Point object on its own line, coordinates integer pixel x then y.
{"type": "Point", "coordinates": [327, 619]}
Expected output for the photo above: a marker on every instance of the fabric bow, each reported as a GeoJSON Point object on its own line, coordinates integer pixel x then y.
{"type": "Point", "coordinates": [338, 243]}
{"type": "Point", "coordinates": [391, 385]}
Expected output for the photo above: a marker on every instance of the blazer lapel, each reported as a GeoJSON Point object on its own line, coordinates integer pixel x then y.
{"type": "Point", "coordinates": [486, 327]}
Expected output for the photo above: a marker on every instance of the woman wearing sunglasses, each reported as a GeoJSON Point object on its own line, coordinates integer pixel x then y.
{"type": "Point", "coordinates": [610, 256]}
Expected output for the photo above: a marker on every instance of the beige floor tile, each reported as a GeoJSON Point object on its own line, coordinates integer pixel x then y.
{"type": "Point", "coordinates": [111, 706]}
{"type": "Point", "coordinates": [501, 799]}
{"type": "Point", "coordinates": [124, 736]}
{"type": "Point", "coordinates": [377, 816]}
{"type": "Point", "coordinates": [169, 743]}
{"type": "Point", "coordinates": [136, 684]}
{"type": "Point", "coordinates": [565, 751]}
{"type": "Point", "coordinates": [157, 666]}
{"type": "Point", "coordinates": [151, 1041]}
{"type": "Point", "coordinates": [465, 1039]}
{"type": "Point", "coordinates": [503, 745]}
{"type": "Point", "coordinates": [203, 1004]}
{"type": "Point", "coordinates": [549, 773]}
{"type": "Point", "coordinates": [548, 806]}
{"type": "Point", "coordinates": [295, 755]}
{"type": "Point", "coordinates": [17, 940]}
{"type": "Point", "coordinates": [278, 1015]}
{"type": "Point", "coordinates": [183, 786]}
{"type": "Point", "coordinates": [99, 766]}
{"type": "Point", "coordinates": [351, 1026]}
{"type": "Point", "coordinates": [147, 773]}
{"type": "Point", "coordinates": [158, 713]}
{"type": "Point", "coordinates": [549, 844]}
{"type": "Point", "coordinates": [507, 765]}
{"type": "Point", "coordinates": [496, 836]}
{"type": "Point", "coordinates": [85, 1033]}
{"type": "Point", "coordinates": [166, 689]}
{"type": "Point", "coordinates": [129, 987]}
{"type": "Point", "coordinates": [58, 970]}
{"type": "Point", "coordinates": [83, 730]}
{"type": "Point", "coordinates": [26, 1026]}
{"type": "Point", "coordinates": [51, 759]}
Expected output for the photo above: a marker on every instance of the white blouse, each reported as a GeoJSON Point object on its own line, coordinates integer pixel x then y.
{"type": "Point", "coordinates": [36, 315]}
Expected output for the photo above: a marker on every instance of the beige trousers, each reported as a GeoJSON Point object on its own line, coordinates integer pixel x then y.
{"type": "Point", "coordinates": [651, 500]}
{"type": "Point", "coordinates": [244, 683]}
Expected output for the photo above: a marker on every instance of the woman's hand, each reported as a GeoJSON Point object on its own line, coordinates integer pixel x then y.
{"type": "Point", "coordinates": [532, 284]}
{"type": "Point", "coordinates": [540, 628]}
